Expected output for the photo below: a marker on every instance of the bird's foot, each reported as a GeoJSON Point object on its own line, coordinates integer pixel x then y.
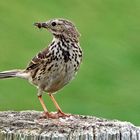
{"type": "Point", "coordinates": [62, 114]}
{"type": "Point", "coordinates": [59, 114]}
{"type": "Point", "coordinates": [45, 115]}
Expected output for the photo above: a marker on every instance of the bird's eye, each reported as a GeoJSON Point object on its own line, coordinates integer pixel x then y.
{"type": "Point", "coordinates": [53, 23]}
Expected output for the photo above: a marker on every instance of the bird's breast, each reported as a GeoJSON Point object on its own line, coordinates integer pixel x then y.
{"type": "Point", "coordinates": [61, 70]}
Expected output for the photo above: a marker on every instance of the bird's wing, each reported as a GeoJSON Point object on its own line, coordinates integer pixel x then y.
{"type": "Point", "coordinates": [38, 59]}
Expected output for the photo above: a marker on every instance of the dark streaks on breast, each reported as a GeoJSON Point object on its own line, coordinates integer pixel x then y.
{"type": "Point", "coordinates": [66, 55]}
{"type": "Point", "coordinates": [50, 67]}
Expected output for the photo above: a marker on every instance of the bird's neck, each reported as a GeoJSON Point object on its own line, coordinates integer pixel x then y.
{"type": "Point", "coordinates": [65, 38]}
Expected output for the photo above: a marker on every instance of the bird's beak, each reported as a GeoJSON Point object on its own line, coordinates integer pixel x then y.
{"type": "Point", "coordinates": [41, 24]}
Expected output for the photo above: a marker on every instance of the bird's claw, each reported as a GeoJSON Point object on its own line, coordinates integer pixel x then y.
{"type": "Point", "coordinates": [59, 114]}
{"type": "Point", "coordinates": [62, 114]}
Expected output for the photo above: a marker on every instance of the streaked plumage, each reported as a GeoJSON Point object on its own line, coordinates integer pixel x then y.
{"type": "Point", "coordinates": [55, 66]}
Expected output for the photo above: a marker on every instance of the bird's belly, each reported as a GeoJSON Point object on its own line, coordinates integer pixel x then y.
{"type": "Point", "coordinates": [57, 78]}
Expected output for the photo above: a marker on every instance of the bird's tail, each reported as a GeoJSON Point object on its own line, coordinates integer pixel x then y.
{"type": "Point", "coordinates": [13, 73]}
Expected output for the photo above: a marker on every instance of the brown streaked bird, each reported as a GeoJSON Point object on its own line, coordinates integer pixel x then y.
{"type": "Point", "coordinates": [55, 66]}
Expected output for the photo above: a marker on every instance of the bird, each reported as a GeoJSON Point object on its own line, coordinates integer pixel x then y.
{"type": "Point", "coordinates": [54, 66]}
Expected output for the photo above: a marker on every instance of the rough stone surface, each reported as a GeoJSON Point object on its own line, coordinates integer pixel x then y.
{"type": "Point", "coordinates": [26, 125]}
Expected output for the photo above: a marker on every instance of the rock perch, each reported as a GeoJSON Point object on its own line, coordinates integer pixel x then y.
{"type": "Point", "coordinates": [26, 125]}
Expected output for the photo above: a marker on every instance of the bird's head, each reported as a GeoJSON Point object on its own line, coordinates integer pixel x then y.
{"type": "Point", "coordinates": [60, 27]}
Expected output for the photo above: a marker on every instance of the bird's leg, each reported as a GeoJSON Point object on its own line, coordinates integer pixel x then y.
{"type": "Point", "coordinates": [43, 106]}
{"type": "Point", "coordinates": [46, 112]}
{"type": "Point", "coordinates": [60, 113]}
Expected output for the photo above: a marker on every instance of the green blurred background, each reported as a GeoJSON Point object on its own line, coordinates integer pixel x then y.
{"type": "Point", "coordinates": [108, 83]}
